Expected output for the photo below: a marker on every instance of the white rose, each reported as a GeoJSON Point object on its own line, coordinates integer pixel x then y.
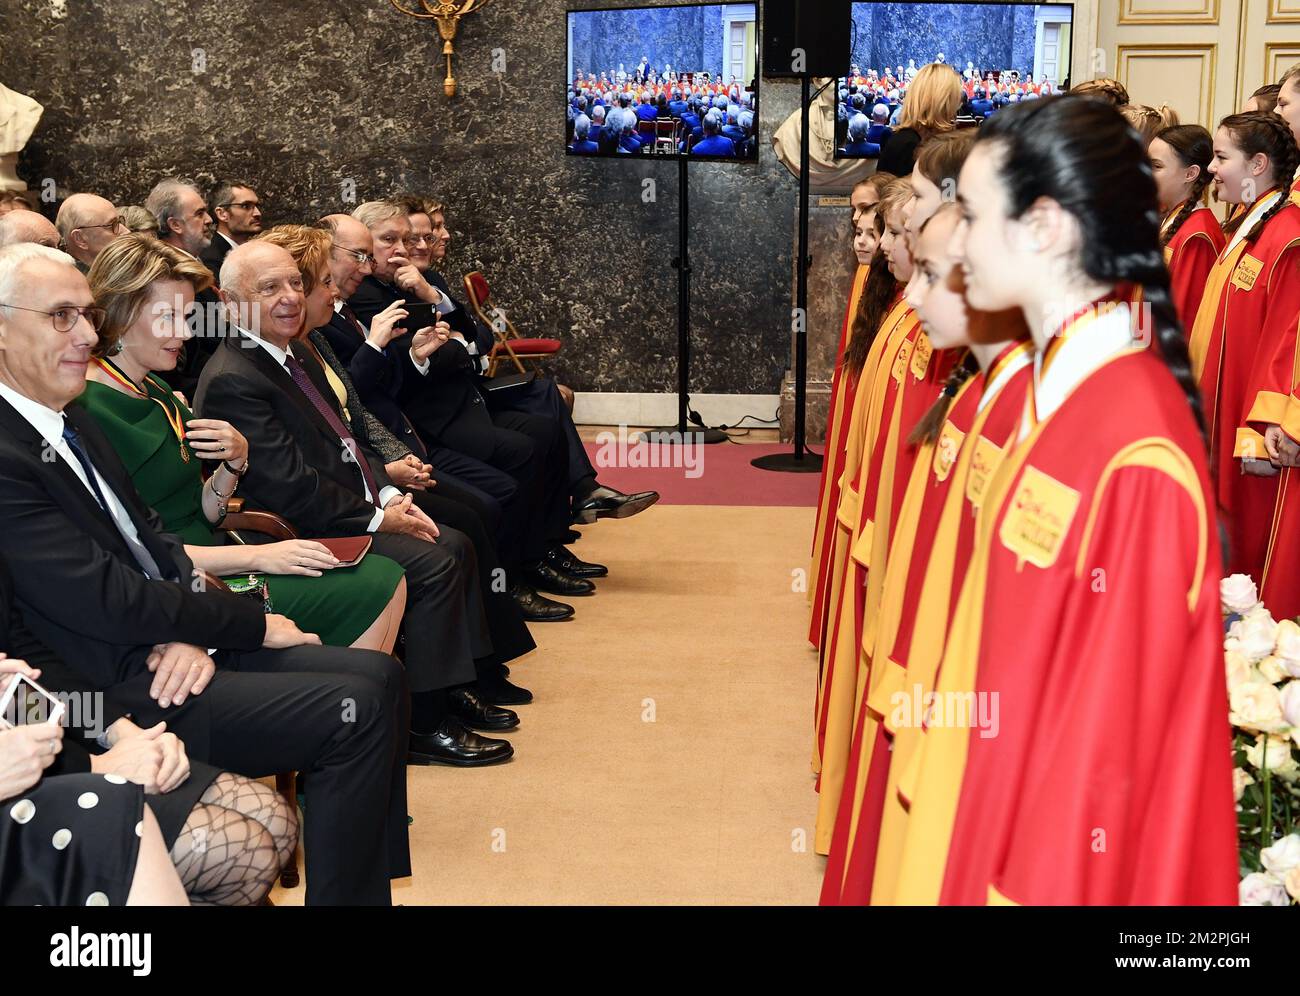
{"type": "Point", "coordinates": [1253, 636]}
{"type": "Point", "coordinates": [1288, 646]}
{"type": "Point", "coordinates": [1283, 856]}
{"type": "Point", "coordinates": [1278, 756]}
{"type": "Point", "coordinates": [1239, 669]}
{"type": "Point", "coordinates": [1273, 669]}
{"type": "Point", "coordinates": [1255, 705]}
{"type": "Point", "coordinates": [1289, 699]}
{"type": "Point", "coordinates": [1238, 593]}
{"type": "Point", "coordinates": [1261, 889]}
{"type": "Point", "coordinates": [1240, 780]}
{"type": "Point", "coordinates": [1292, 883]}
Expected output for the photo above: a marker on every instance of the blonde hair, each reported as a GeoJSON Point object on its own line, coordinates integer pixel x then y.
{"type": "Point", "coordinates": [416, 204]}
{"type": "Point", "coordinates": [138, 219]}
{"type": "Point", "coordinates": [897, 192]}
{"type": "Point", "coordinates": [1103, 88]}
{"type": "Point", "coordinates": [1149, 121]}
{"type": "Point", "coordinates": [932, 100]}
{"type": "Point", "coordinates": [124, 271]}
{"type": "Point", "coordinates": [309, 247]}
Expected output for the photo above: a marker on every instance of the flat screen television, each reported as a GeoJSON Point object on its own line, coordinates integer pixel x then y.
{"type": "Point", "coordinates": [1003, 53]}
{"type": "Point", "coordinates": [663, 82]}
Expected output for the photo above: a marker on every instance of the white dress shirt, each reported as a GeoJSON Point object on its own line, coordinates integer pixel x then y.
{"type": "Point", "coordinates": [387, 494]}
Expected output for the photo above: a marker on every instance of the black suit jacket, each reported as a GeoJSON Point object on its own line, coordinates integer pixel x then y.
{"type": "Point", "coordinates": [78, 587]}
{"type": "Point", "coordinates": [449, 392]}
{"type": "Point", "coordinates": [296, 465]}
{"type": "Point", "coordinates": [215, 254]}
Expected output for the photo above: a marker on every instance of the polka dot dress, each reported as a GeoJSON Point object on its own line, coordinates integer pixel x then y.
{"type": "Point", "coordinates": [71, 840]}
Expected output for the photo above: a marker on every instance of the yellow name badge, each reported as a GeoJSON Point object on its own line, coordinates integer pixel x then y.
{"type": "Point", "coordinates": [1038, 518]}
{"type": "Point", "coordinates": [1247, 272]}
{"type": "Point", "coordinates": [1169, 255]}
{"type": "Point", "coordinates": [983, 462]}
{"type": "Point", "coordinates": [900, 364]}
{"type": "Point", "coordinates": [946, 450]}
{"type": "Point", "coordinates": [921, 356]}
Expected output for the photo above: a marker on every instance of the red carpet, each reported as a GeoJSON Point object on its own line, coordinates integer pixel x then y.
{"type": "Point", "coordinates": [717, 474]}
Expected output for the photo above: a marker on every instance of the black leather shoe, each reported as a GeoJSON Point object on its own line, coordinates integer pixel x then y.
{"type": "Point", "coordinates": [544, 577]}
{"type": "Point", "coordinates": [537, 607]}
{"type": "Point", "coordinates": [500, 692]}
{"type": "Point", "coordinates": [478, 714]}
{"type": "Point", "coordinates": [566, 563]}
{"type": "Point", "coordinates": [454, 744]}
{"type": "Point", "coordinates": [572, 536]}
{"type": "Point", "coordinates": [606, 503]}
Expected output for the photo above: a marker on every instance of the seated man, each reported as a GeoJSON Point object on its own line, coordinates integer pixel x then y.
{"type": "Point", "coordinates": [732, 129]}
{"type": "Point", "coordinates": [238, 214]}
{"type": "Point", "coordinates": [857, 144]}
{"type": "Point", "coordinates": [305, 465]}
{"type": "Point", "coordinates": [879, 132]}
{"type": "Point", "coordinates": [87, 223]}
{"type": "Point", "coordinates": [646, 109]}
{"type": "Point", "coordinates": [22, 225]}
{"type": "Point", "coordinates": [442, 399]}
{"type": "Point", "coordinates": [581, 143]}
{"type": "Point", "coordinates": [121, 604]}
{"type": "Point", "coordinates": [714, 143]}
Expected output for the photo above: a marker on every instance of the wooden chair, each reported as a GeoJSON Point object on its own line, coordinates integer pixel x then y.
{"type": "Point", "coordinates": [267, 524]}
{"type": "Point", "coordinates": [510, 344]}
{"type": "Point", "coordinates": [666, 135]}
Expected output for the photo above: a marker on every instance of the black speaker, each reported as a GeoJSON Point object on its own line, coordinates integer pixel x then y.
{"type": "Point", "coordinates": [819, 29]}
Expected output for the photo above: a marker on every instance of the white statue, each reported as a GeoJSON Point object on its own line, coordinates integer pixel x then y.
{"type": "Point", "coordinates": [911, 68]}
{"type": "Point", "coordinates": [970, 70]}
{"type": "Point", "coordinates": [18, 117]}
{"type": "Point", "coordinates": [939, 58]}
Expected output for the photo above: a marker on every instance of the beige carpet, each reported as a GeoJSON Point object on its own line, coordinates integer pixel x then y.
{"type": "Point", "coordinates": [665, 759]}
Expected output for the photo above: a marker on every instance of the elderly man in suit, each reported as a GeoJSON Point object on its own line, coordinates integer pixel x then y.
{"type": "Point", "coordinates": [305, 464]}
{"type": "Point", "coordinates": [86, 224]}
{"type": "Point", "coordinates": [121, 603]}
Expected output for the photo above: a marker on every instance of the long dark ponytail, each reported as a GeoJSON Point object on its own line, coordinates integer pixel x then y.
{"type": "Point", "coordinates": [1256, 133]}
{"type": "Point", "coordinates": [1194, 147]}
{"type": "Point", "coordinates": [1081, 153]}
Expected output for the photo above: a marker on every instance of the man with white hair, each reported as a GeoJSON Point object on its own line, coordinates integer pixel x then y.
{"type": "Point", "coordinates": [86, 224]}
{"type": "Point", "coordinates": [121, 603]}
{"type": "Point", "coordinates": [27, 226]}
{"type": "Point", "coordinates": [581, 143]}
{"type": "Point", "coordinates": [185, 224]}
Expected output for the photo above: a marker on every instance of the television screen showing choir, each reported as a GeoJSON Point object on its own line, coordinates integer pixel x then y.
{"type": "Point", "coordinates": [664, 81]}
{"type": "Point", "coordinates": [1002, 53]}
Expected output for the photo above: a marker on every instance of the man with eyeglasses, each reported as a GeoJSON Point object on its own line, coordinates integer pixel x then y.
{"type": "Point", "coordinates": [87, 223]}
{"type": "Point", "coordinates": [27, 226]}
{"type": "Point", "coordinates": [239, 218]}
{"type": "Point", "coordinates": [185, 224]}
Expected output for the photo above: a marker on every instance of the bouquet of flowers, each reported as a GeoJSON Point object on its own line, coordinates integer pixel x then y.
{"type": "Point", "coordinates": [1263, 667]}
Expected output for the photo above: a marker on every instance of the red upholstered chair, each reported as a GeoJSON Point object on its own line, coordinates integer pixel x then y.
{"type": "Point", "coordinates": [510, 345]}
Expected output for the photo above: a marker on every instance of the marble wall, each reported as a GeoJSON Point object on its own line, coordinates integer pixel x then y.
{"type": "Point", "coordinates": [325, 104]}
{"type": "Point", "coordinates": [994, 36]}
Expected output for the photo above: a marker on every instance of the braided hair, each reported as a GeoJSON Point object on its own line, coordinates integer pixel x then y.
{"type": "Point", "coordinates": [882, 288]}
{"type": "Point", "coordinates": [1194, 146]}
{"type": "Point", "coordinates": [1083, 155]}
{"type": "Point", "coordinates": [1256, 133]}
{"type": "Point", "coordinates": [931, 423]}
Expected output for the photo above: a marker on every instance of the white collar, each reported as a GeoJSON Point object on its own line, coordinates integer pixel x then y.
{"type": "Point", "coordinates": [280, 356]}
{"type": "Point", "coordinates": [1252, 216]}
{"type": "Point", "coordinates": [1076, 358]}
{"type": "Point", "coordinates": [46, 421]}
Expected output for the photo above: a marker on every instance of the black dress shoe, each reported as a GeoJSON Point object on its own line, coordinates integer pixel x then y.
{"type": "Point", "coordinates": [500, 692]}
{"type": "Point", "coordinates": [606, 503]}
{"type": "Point", "coordinates": [454, 744]}
{"type": "Point", "coordinates": [466, 705]}
{"type": "Point", "coordinates": [566, 563]}
{"type": "Point", "coordinates": [544, 577]}
{"type": "Point", "coordinates": [572, 536]}
{"type": "Point", "coordinates": [537, 607]}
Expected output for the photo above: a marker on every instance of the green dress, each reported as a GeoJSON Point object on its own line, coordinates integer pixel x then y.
{"type": "Point", "coordinates": [338, 606]}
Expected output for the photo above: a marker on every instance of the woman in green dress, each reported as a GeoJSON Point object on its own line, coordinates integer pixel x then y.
{"type": "Point", "coordinates": [147, 288]}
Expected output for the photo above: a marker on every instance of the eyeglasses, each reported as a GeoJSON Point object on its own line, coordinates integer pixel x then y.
{"type": "Point", "coordinates": [65, 319]}
{"type": "Point", "coordinates": [242, 205]}
{"type": "Point", "coordinates": [114, 225]}
{"type": "Point", "coordinates": [357, 254]}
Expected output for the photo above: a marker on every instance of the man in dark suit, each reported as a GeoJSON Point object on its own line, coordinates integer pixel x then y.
{"type": "Point", "coordinates": [121, 603]}
{"type": "Point", "coordinates": [713, 143]}
{"type": "Point", "coordinates": [238, 214]}
{"type": "Point", "coordinates": [185, 224]}
{"type": "Point", "coordinates": [305, 465]}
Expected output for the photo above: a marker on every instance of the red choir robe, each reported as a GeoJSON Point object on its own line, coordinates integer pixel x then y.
{"type": "Point", "coordinates": [1190, 256]}
{"type": "Point", "coordinates": [837, 694]}
{"type": "Point", "coordinates": [1243, 334]}
{"type": "Point", "coordinates": [925, 552]}
{"type": "Point", "coordinates": [843, 386]}
{"type": "Point", "coordinates": [1094, 765]}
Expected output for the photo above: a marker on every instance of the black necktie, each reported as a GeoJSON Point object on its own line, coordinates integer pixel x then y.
{"type": "Point", "coordinates": [142, 556]}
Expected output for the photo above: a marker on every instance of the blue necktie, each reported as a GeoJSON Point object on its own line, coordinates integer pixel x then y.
{"type": "Point", "coordinates": [142, 556]}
